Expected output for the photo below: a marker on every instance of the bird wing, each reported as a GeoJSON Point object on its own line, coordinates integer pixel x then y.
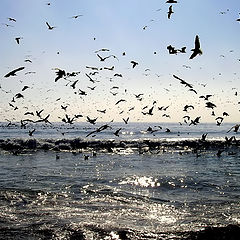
{"type": "Point", "coordinates": [197, 42]}
{"type": "Point", "coordinates": [194, 54]}
{"type": "Point", "coordinates": [12, 73]}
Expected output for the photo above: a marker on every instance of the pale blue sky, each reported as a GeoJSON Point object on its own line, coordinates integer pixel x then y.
{"type": "Point", "coordinates": [118, 26]}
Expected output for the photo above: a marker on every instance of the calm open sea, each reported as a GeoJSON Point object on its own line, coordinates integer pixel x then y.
{"type": "Point", "coordinates": [60, 184]}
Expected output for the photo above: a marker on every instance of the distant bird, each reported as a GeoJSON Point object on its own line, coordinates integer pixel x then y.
{"type": "Point", "coordinates": [76, 16]}
{"type": "Point", "coordinates": [195, 121]}
{"type": "Point", "coordinates": [19, 95]}
{"type": "Point", "coordinates": [13, 73]}
{"type": "Point", "coordinates": [50, 27]}
{"type": "Point", "coordinates": [24, 88]}
{"type": "Point", "coordinates": [225, 114]}
{"type": "Point", "coordinates": [102, 111]}
{"type": "Point", "coordinates": [182, 50]}
{"type": "Point", "coordinates": [117, 75]}
{"type": "Point", "coordinates": [204, 135]}
{"type": "Point", "coordinates": [171, 49]}
{"type": "Point", "coordinates": [210, 105]}
{"type": "Point", "coordinates": [92, 121]}
{"type": "Point", "coordinates": [30, 133]}
{"type": "Point", "coordinates": [60, 74]}
{"type": "Point", "coordinates": [39, 113]}
{"type": "Point", "coordinates": [134, 64]}
{"type": "Point", "coordinates": [27, 60]}
{"type": "Point", "coordinates": [192, 90]}
{"type": "Point", "coordinates": [170, 12]}
{"type": "Point", "coordinates": [73, 85]}
{"type": "Point", "coordinates": [64, 107]}
{"type": "Point", "coordinates": [29, 113]}
{"type": "Point", "coordinates": [18, 39]}
{"type": "Point", "coordinates": [197, 49]}
{"type": "Point", "coordinates": [126, 120]}
{"type": "Point", "coordinates": [171, 1]}
{"type": "Point", "coordinates": [186, 107]}
{"type": "Point", "coordinates": [102, 59]}
{"type": "Point", "coordinates": [236, 128]}
{"type": "Point", "coordinates": [219, 153]}
{"type": "Point", "coordinates": [12, 19]}
{"type": "Point", "coordinates": [206, 97]}
{"type": "Point", "coordinates": [121, 100]}
{"type": "Point", "coordinates": [183, 82]}
{"type": "Point", "coordinates": [117, 132]}
{"type": "Point", "coordinates": [102, 50]}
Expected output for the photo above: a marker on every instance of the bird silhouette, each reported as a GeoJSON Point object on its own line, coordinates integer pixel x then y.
{"type": "Point", "coordinates": [18, 39]}
{"type": "Point", "coordinates": [170, 12]}
{"type": "Point", "coordinates": [60, 74]}
{"type": "Point", "coordinates": [117, 132]}
{"type": "Point", "coordinates": [126, 120]}
{"type": "Point", "coordinates": [134, 64]}
{"type": "Point", "coordinates": [183, 82]}
{"type": "Point", "coordinates": [77, 16]}
{"type": "Point", "coordinates": [49, 26]}
{"type": "Point", "coordinates": [12, 19]}
{"type": "Point", "coordinates": [171, 1]}
{"type": "Point", "coordinates": [197, 49]}
{"type": "Point", "coordinates": [92, 121]}
{"type": "Point", "coordinates": [13, 73]}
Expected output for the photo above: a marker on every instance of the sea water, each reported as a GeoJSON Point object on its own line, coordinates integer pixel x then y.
{"type": "Point", "coordinates": [128, 189]}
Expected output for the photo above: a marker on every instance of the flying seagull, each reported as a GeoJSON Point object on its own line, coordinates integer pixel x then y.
{"type": "Point", "coordinates": [197, 49]}
{"type": "Point", "coordinates": [13, 73]}
{"type": "Point", "coordinates": [18, 39]}
{"type": "Point", "coordinates": [50, 27]}
{"type": "Point", "coordinates": [170, 12]}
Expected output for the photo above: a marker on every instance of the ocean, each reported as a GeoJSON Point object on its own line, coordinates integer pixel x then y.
{"type": "Point", "coordinates": [150, 181]}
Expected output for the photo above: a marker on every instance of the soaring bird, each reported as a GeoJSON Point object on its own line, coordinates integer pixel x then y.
{"type": "Point", "coordinates": [76, 16]}
{"type": "Point", "coordinates": [134, 64]}
{"type": "Point", "coordinates": [12, 19]}
{"type": "Point", "coordinates": [117, 132]}
{"type": "Point", "coordinates": [183, 82]}
{"type": "Point", "coordinates": [92, 121]}
{"type": "Point", "coordinates": [197, 49]}
{"type": "Point", "coordinates": [50, 27]}
{"type": "Point", "coordinates": [171, 1]}
{"type": "Point", "coordinates": [18, 39]}
{"type": "Point", "coordinates": [236, 128]}
{"type": "Point", "coordinates": [60, 73]}
{"type": "Point", "coordinates": [170, 12]}
{"type": "Point", "coordinates": [13, 73]}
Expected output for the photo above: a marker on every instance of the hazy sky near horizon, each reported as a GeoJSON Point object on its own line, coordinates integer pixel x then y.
{"type": "Point", "coordinates": [140, 29]}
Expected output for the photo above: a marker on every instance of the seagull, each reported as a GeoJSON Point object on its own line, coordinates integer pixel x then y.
{"type": "Point", "coordinates": [197, 49]}
{"type": "Point", "coordinates": [92, 121]}
{"type": "Point", "coordinates": [50, 27]}
{"type": "Point", "coordinates": [236, 128]}
{"type": "Point", "coordinates": [60, 74]}
{"type": "Point", "coordinates": [134, 64]}
{"type": "Point", "coordinates": [121, 100]}
{"type": "Point", "coordinates": [13, 73]}
{"type": "Point", "coordinates": [170, 12]}
{"type": "Point", "coordinates": [126, 120]}
{"type": "Point", "coordinates": [76, 16]}
{"type": "Point", "coordinates": [171, 1]}
{"type": "Point", "coordinates": [24, 88]}
{"type": "Point", "coordinates": [12, 19]}
{"type": "Point", "coordinates": [183, 82]}
{"type": "Point", "coordinates": [117, 132]}
{"type": "Point", "coordinates": [30, 133]}
{"type": "Point", "coordinates": [18, 39]}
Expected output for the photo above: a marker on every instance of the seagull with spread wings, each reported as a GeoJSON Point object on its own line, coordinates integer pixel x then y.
{"type": "Point", "coordinates": [13, 73]}
{"type": "Point", "coordinates": [197, 50]}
